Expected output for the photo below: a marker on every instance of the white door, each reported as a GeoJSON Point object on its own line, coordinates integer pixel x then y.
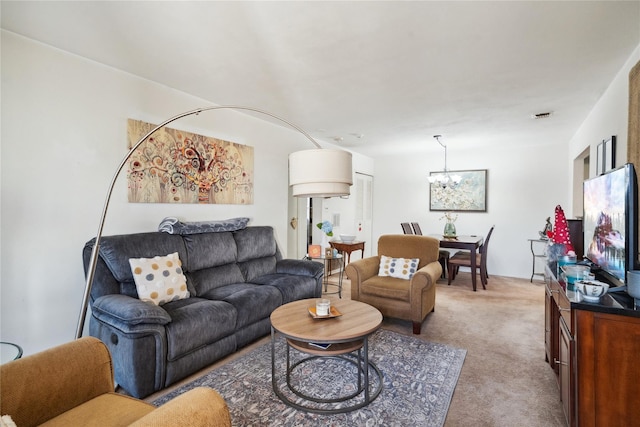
{"type": "Point", "coordinates": [363, 212]}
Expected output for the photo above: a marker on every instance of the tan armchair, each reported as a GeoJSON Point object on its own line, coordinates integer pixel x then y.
{"type": "Point", "coordinates": [399, 298]}
{"type": "Point", "coordinates": [72, 385]}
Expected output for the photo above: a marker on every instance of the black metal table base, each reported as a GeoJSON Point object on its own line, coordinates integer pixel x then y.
{"type": "Point", "coordinates": [364, 393]}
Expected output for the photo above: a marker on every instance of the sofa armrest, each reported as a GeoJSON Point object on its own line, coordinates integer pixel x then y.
{"type": "Point", "coordinates": [361, 270]}
{"type": "Point", "coordinates": [42, 386]}
{"type": "Point", "coordinates": [300, 267]}
{"type": "Point", "coordinates": [128, 310]}
{"type": "Point", "coordinates": [199, 407]}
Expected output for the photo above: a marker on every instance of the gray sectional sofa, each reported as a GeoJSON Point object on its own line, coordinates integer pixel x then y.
{"type": "Point", "coordinates": [235, 280]}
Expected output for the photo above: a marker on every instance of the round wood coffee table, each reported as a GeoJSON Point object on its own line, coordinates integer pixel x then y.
{"type": "Point", "coordinates": [347, 335]}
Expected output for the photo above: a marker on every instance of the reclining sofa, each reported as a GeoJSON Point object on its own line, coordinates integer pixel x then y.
{"type": "Point", "coordinates": [235, 279]}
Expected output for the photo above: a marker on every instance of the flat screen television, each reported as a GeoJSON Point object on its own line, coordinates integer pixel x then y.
{"type": "Point", "coordinates": [610, 223]}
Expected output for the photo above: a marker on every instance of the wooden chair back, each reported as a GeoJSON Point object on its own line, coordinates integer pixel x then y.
{"type": "Point", "coordinates": [484, 248]}
{"type": "Point", "coordinates": [406, 228]}
{"type": "Point", "coordinates": [416, 228]}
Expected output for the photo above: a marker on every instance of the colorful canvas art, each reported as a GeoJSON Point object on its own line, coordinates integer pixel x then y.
{"type": "Point", "coordinates": [174, 166]}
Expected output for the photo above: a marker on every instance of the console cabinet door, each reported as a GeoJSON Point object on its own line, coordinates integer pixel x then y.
{"type": "Point", "coordinates": [551, 319]}
{"type": "Point", "coordinates": [608, 356]}
{"type": "Point", "coordinates": [566, 377]}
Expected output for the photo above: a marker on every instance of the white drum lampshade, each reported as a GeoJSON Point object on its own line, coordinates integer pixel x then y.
{"type": "Point", "coordinates": [320, 173]}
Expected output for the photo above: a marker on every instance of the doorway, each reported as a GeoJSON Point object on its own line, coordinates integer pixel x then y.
{"type": "Point", "coordinates": [348, 215]}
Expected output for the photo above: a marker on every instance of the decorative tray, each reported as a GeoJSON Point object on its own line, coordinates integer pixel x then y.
{"type": "Point", "coordinates": [333, 312]}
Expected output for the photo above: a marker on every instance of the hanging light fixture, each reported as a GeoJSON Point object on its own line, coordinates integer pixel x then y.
{"type": "Point", "coordinates": [444, 180]}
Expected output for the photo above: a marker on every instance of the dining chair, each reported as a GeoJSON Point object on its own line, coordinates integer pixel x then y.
{"type": "Point", "coordinates": [464, 260]}
{"type": "Point", "coordinates": [406, 228]}
{"type": "Point", "coordinates": [416, 228]}
{"type": "Point", "coordinates": [443, 255]}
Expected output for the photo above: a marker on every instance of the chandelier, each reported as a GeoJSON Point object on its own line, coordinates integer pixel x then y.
{"type": "Point", "coordinates": [444, 180]}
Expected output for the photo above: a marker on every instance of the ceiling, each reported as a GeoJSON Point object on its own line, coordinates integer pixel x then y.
{"type": "Point", "coordinates": [377, 76]}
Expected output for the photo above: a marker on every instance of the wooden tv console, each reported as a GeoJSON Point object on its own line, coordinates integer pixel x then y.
{"type": "Point", "coordinates": [594, 350]}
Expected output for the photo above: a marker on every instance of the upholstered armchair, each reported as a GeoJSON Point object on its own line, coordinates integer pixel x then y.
{"type": "Point", "coordinates": [408, 299]}
{"type": "Point", "coordinates": [72, 385]}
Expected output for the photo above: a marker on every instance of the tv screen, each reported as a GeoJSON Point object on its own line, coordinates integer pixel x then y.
{"type": "Point", "coordinates": [609, 222]}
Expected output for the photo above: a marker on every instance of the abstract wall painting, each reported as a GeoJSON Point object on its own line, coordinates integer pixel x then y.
{"type": "Point", "coordinates": [175, 166]}
{"type": "Point", "coordinates": [470, 195]}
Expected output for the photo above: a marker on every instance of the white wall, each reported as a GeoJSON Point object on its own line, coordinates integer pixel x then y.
{"type": "Point", "coordinates": [63, 134]}
{"type": "Point", "coordinates": [525, 184]}
{"type": "Point", "coordinates": [610, 116]}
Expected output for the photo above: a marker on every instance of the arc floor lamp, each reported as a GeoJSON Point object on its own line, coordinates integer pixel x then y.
{"type": "Point", "coordinates": [312, 173]}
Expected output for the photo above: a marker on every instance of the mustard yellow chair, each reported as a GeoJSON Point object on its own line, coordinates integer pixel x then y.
{"type": "Point", "coordinates": [72, 385]}
{"type": "Point", "coordinates": [399, 298]}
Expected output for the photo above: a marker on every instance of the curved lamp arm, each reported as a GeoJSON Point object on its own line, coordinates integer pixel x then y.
{"type": "Point", "coordinates": [307, 159]}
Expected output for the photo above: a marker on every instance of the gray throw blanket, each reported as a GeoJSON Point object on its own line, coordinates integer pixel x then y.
{"type": "Point", "coordinates": [172, 225]}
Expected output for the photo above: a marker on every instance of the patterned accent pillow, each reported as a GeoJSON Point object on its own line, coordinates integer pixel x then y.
{"type": "Point", "coordinates": [159, 279]}
{"type": "Point", "coordinates": [400, 268]}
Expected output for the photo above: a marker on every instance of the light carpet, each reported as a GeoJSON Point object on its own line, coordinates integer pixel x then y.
{"type": "Point", "coordinates": [419, 379]}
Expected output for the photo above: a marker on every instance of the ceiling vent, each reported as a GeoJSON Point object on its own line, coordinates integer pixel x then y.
{"type": "Point", "coordinates": [541, 115]}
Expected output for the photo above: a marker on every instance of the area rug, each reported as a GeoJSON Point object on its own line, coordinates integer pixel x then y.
{"type": "Point", "coordinates": [419, 379]}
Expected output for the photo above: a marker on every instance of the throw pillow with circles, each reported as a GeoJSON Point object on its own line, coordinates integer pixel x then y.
{"type": "Point", "coordinates": [159, 279]}
{"type": "Point", "coordinates": [401, 268]}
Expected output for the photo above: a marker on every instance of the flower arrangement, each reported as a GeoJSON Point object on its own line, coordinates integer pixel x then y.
{"type": "Point", "coordinates": [326, 227]}
{"type": "Point", "coordinates": [450, 217]}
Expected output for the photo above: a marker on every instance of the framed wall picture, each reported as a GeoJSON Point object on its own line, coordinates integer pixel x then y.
{"type": "Point", "coordinates": [470, 195]}
{"type": "Point", "coordinates": [609, 153]}
{"type": "Point", "coordinates": [600, 159]}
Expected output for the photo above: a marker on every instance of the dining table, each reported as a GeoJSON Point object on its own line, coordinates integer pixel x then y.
{"type": "Point", "coordinates": [470, 242]}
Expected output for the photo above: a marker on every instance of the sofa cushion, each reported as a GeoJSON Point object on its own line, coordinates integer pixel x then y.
{"type": "Point", "coordinates": [117, 250]}
{"type": "Point", "coordinates": [255, 242]}
{"type": "Point", "coordinates": [209, 250]}
{"type": "Point", "coordinates": [386, 287]}
{"type": "Point", "coordinates": [94, 412]}
{"type": "Point", "coordinates": [197, 322]}
{"type": "Point", "coordinates": [291, 287]}
{"type": "Point", "coordinates": [258, 267]}
{"type": "Point", "coordinates": [401, 268]}
{"type": "Point", "coordinates": [159, 279]}
{"type": "Point", "coordinates": [253, 302]}
{"type": "Point", "coordinates": [200, 282]}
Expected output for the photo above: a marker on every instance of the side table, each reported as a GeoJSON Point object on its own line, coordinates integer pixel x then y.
{"type": "Point", "coordinates": [327, 271]}
{"type": "Point", "coordinates": [347, 247]}
{"type": "Point", "coordinates": [537, 253]}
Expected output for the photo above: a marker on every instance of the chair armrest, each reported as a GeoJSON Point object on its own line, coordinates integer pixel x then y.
{"type": "Point", "coordinates": [300, 267]}
{"type": "Point", "coordinates": [426, 277]}
{"type": "Point", "coordinates": [199, 407]}
{"type": "Point", "coordinates": [128, 310]}
{"type": "Point", "coordinates": [361, 270]}
{"type": "Point", "coordinates": [42, 386]}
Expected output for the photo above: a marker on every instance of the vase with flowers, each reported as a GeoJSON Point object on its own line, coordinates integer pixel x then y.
{"type": "Point", "coordinates": [450, 225]}
{"type": "Point", "coordinates": [327, 231]}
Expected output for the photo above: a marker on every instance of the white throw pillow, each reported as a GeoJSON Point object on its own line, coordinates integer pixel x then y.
{"type": "Point", "coordinates": [6, 421]}
{"type": "Point", "coordinates": [159, 279]}
{"type": "Point", "coordinates": [398, 267]}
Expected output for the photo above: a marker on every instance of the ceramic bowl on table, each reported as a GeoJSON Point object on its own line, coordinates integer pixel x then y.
{"type": "Point", "coordinates": [591, 290]}
{"type": "Point", "coordinates": [347, 238]}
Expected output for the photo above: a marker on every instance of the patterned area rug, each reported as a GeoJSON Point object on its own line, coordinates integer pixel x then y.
{"type": "Point", "coordinates": [419, 378]}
